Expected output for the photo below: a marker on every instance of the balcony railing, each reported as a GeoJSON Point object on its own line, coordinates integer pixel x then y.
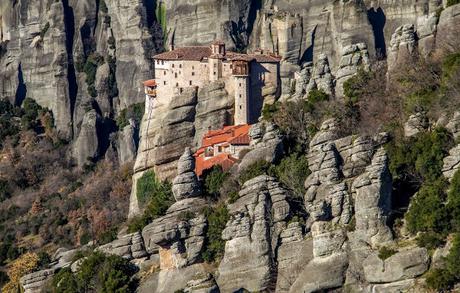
{"type": "Point", "coordinates": [151, 92]}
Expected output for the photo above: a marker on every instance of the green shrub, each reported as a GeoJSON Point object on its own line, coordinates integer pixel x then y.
{"type": "Point", "coordinates": [112, 79]}
{"type": "Point", "coordinates": [258, 168]}
{"type": "Point", "coordinates": [268, 111]}
{"type": "Point", "coordinates": [439, 279]}
{"type": "Point", "coordinates": [292, 172]}
{"type": "Point", "coordinates": [353, 88]}
{"type": "Point", "coordinates": [44, 259]}
{"type": "Point", "coordinates": [103, 6]}
{"type": "Point", "coordinates": [135, 112]}
{"type": "Point", "coordinates": [452, 2]}
{"type": "Point", "coordinates": [445, 277]}
{"type": "Point", "coordinates": [430, 240]}
{"type": "Point", "coordinates": [156, 195]}
{"type": "Point", "coordinates": [385, 252]}
{"type": "Point", "coordinates": [44, 30]}
{"type": "Point", "coordinates": [419, 158]}
{"type": "Point", "coordinates": [315, 96]}
{"type": "Point", "coordinates": [97, 273]}
{"type": "Point", "coordinates": [453, 202]}
{"type": "Point", "coordinates": [5, 191]}
{"type": "Point", "coordinates": [108, 236]}
{"type": "Point", "coordinates": [214, 244]}
{"type": "Point", "coordinates": [427, 212]}
{"type": "Point", "coordinates": [213, 180]}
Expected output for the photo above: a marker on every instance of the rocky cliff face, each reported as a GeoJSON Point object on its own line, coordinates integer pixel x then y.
{"type": "Point", "coordinates": [46, 45]}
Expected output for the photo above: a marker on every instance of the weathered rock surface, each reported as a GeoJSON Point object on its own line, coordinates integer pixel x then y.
{"type": "Point", "coordinates": [321, 78]}
{"type": "Point", "coordinates": [127, 146]}
{"type": "Point", "coordinates": [129, 246]}
{"type": "Point", "coordinates": [416, 123]}
{"type": "Point", "coordinates": [186, 184]}
{"type": "Point", "coordinates": [200, 22]}
{"type": "Point", "coordinates": [293, 254]}
{"type": "Point", "coordinates": [451, 163]}
{"type": "Point", "coordinates": [179, 235]}
{"type": "Point", "coordinates": [167, 129]}
{"type": "Point", "coordinates": [252, 234]}
{"type": "Point", "coordinates": [86, 145]}
{"type": "Point", "coordinates": [403, 265]}
{"type": "Point", "coordinates": [372, 198]}
{"type": "Point", "coordinates": [354, 58]}
{"type": "Point", "coordinates": [34, 283]}
{"type": "Point", "coordinates": [266, 145]}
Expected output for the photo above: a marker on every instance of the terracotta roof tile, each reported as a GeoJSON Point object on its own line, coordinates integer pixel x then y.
{"type": "Point", "coordinates": [224, 160]}
{"type": "Point", "coordinates": [195, 53]}
{"type": "Point", "coordinates": [198, 53]}
{"type": "Point", "coordinates": [150, 83]}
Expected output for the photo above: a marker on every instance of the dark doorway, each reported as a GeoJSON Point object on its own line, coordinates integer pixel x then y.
{"type": "Point", "coordinates": [378, 19]}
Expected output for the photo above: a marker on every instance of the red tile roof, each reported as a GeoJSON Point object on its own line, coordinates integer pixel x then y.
{"type": "Point", "coordinates": [237, 133]}
{"type": "Point", "coordinates": [202, 164]}
{"type": "Point", "coordinates": [198, 53]}
{"type": "Point", "coordinates": [229, 135]}
{"type": "Point", "coordinates": [195, 53]}
{"type": "Point", "coordinates": [261, 58]}
{"type": "Point", "coordinates": [150, 83]}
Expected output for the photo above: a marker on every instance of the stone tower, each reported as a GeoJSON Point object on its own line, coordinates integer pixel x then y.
{"type": "Point", "coordinates": [240, 71]}
{"type": "Point", "coordinates": [215, 60]}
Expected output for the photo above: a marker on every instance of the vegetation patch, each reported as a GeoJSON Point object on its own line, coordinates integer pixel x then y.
{"type": "Point", "coordinates": [214, 180]}
{"type": "Point", "coordinates": [97, 273]}
{"type": "Point", "coordinates": [135, 112]}
{"type": "Point", "coordinates": [155, 195]}
{"type": "Point", "coordinates": [443, 279]}
{"type": "Point", "coordinates": [214, 246]}
{"type": "Point", "coordinates": [386, 252]}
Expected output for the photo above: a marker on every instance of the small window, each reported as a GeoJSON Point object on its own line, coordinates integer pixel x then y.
{"type": "Point", "coordinates": [164, 82]}
{"type": "Point", "coordinates": [193, 73]}
{"type": "Point", "coordinates": [175, 75]}
{"type": "Point", "coordinates": [214, 73]}
{"type": "Point", "coordinates": [180, 90]}
{"type": "Point", "coordinates": [190, 82]}
{"type": "Point", "coordinates": [164, 72]}
{"type": "Point", "coordinates": [240, 84]}
{"type": "Point", "coordinates": [215, 65]}
{"type": "Point", "coordinates": [240, 96]}
{"type": "Point", "coordinates": [241, 107]}
{"type": "Point", "coordinates": [177, 84]}
{"type": "Point", "coordinates": [162, 62]}
{"type": "Point", "coordinates": [172, 65]}
{"type": "Point", "coordinates": [180, 65]}
{"type": "Point", "coordinates": [231, 66]}
{"type": "Point", "coordinates": [193, 67]}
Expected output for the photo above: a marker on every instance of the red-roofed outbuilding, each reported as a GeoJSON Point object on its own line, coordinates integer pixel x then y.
{"type": "Point", "coordinates": [222, 147]}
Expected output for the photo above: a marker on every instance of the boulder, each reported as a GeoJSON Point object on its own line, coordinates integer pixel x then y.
{"type": "Point", "coordinates": [406, 264]}
{"type": "Point", "coordinates": [129, 246]}
{"type": "Point", "coordinates": [416, 123]}
{"type": "Point", "coordinates": [186, 183]}
{"type": "Point", "coordinates": [179, 235]}
{"type": "Point", "coordinates": [34, 282]}
{"type": "Point", "coordinates": [266, 144]}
